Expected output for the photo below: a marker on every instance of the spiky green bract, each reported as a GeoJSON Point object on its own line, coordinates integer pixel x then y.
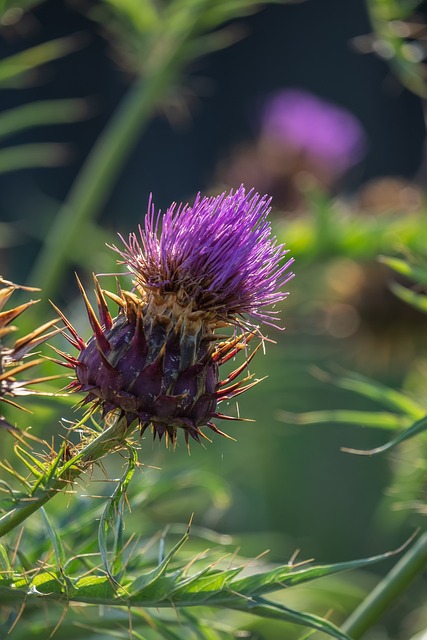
{"type": "Point", "coordinates": [17, 357]}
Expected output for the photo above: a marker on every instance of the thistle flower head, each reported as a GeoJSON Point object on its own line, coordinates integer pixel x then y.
{"type": "Point", "coordinates": [196, 269]}
{"type": "Point", "coordinates": [17, 357]}
{"type": "Point", "coordinates": [216, 255]}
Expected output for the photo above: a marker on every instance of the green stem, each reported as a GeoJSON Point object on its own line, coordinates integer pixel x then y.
{"type": "Point", "coordinates": [388, 590]}
{"type": "Point", "coordinates": [61, 474]}
{"type": "Point", "coordinates": [99, 173]}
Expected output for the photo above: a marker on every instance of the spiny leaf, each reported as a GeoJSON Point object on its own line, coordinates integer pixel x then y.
{"type": "Point", "coordinates": [93, 588]}
{"type": "Point", "coordinates": [147, 579]}
{"type": "Point", "coordinates": [203, 587]}
{"type": "Point", "coordinates": [31, 462]}
{"type": "Point", "coordinates": [289, 576]}
{"type": "Point", "coordinates": [45, 583]}
{"type": "Point", "coordinates": [211, 587]}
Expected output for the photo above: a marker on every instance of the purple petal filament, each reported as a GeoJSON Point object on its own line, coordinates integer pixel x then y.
{"type": "Point", "coordinates": [218, 251]}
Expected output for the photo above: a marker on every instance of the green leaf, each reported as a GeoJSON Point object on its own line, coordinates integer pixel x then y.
{"type": "Point", "coordinates": [267, 609]}
{"type": "Point", "coordinates": [416, 300]}
{"type": "Point", "coordinates": [43, 112]}
{"type": "Point", "coordinates": [24, 156]}
{"type": "Point", "coordinates": [45, 584]}
{"type": "Point", "coordinates": [147, 579]}
{"type": "Point", "coordinates": [4, 560]}
{"type": "Point", "coordinates": [290, 576]}
{"type": "Point", "coordinates": [13, 68]}
{"type": "Point", "coordinates": [417, 273]}
{"type": "Point", "coordinates": [93, 588]}
{"type": "Point", "coordinates": [58, 549]}
{"type": "Point", "coordinates": [205, 585]}
{"type": "Point", "coordinates": [417, 428]}
{"type": "Point", "coordinates": [376, 419]}
{"type": "Point", "coordinates": [391, 398]}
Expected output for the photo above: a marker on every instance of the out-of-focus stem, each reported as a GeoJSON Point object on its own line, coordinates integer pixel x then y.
{"type": "Point", "coordinates": [388, 590]}
{"type": "Point", "coordinates": [65, 472]}
{"type": "Point", "coordinates": [97, 177]}
{"type": "Point", "coordinates": [96, 180]}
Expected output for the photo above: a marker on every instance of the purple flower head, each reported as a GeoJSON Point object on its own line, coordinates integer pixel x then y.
{"type": "Point", "coordinates": [216, 255]}
{"type": "Point", "coordinates": [196, 268]}
{"type": "Point", "coordinates": [318, 128]}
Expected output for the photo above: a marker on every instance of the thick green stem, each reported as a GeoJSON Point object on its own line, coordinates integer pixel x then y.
{"type": "Point", "coordinates": [95, 181]}
{"type": "Point", "coordinates": [388, 590]}
{"type": "Point", "coordinates": [59, 475]}
{"type": "Point", "coordinates": [98, 175]}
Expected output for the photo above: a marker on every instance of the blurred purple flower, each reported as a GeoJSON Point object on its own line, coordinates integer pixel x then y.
{"type": "Point", "coordinates": [324, 131]}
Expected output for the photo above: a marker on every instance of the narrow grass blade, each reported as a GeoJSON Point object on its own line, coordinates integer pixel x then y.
{"type": "Point", "coordinates": [390, 398]}
{"type": "Point", "coordinates": [43, 112]}
{"type": "Point", "coordinates": [376, 419]}
{"type": "Point", "coordinates": [417, 428]}
{"type": "Point", "coordinates": [58, 549]}
{"type": "Point", "coordinates": [24, 156]}
{"type": "Point", "coordinates": [112, 517]}
{"type": "Point", "coordinates": [416, 300]}
{"type": "Point", "coordinates": [276, 611]}
{"type": "Point", "coordinates": [415, 272]}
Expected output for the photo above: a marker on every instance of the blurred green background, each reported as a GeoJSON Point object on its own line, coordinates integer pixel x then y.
{"type": "Point", "coordinates": [285, 486]}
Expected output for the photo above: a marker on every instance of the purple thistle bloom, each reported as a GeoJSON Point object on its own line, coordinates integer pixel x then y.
{"type": "Point", "coordinates": [324, 131]}
{"type": "Point", "coordinates": [217, 252]}
{"type": "Point", "coordinates": [197, 269]}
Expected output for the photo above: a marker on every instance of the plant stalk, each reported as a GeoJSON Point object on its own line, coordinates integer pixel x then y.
{"type": "Point", "coordinates": [99, 173]}
{"type": "Point", "coordinates": [388, 590]}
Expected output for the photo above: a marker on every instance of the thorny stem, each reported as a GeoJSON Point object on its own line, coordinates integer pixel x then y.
{"type": "Point", "coordinates": [64, 473]}
{"type": "Point", "coordinates": [388, 590]}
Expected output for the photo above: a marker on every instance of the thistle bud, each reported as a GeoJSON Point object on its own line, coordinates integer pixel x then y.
{"type": "Point", "coordinates": [197, 269]}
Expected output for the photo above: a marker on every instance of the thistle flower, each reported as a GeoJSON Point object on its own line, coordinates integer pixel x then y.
{"type": "Point", "coordinates": [196, 269]}
{"type": "Point", "coordinates": [13, 359]}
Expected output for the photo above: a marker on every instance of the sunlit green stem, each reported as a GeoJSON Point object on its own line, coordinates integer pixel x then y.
{"type": "Point", "coordinates": [96, 180]}
{"type": "Point", "coordinates": [388, 590]}
{"type": "Point", "coordinates": [98, 175]}
{"type": "Point", "coordinates": [60, 473]}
